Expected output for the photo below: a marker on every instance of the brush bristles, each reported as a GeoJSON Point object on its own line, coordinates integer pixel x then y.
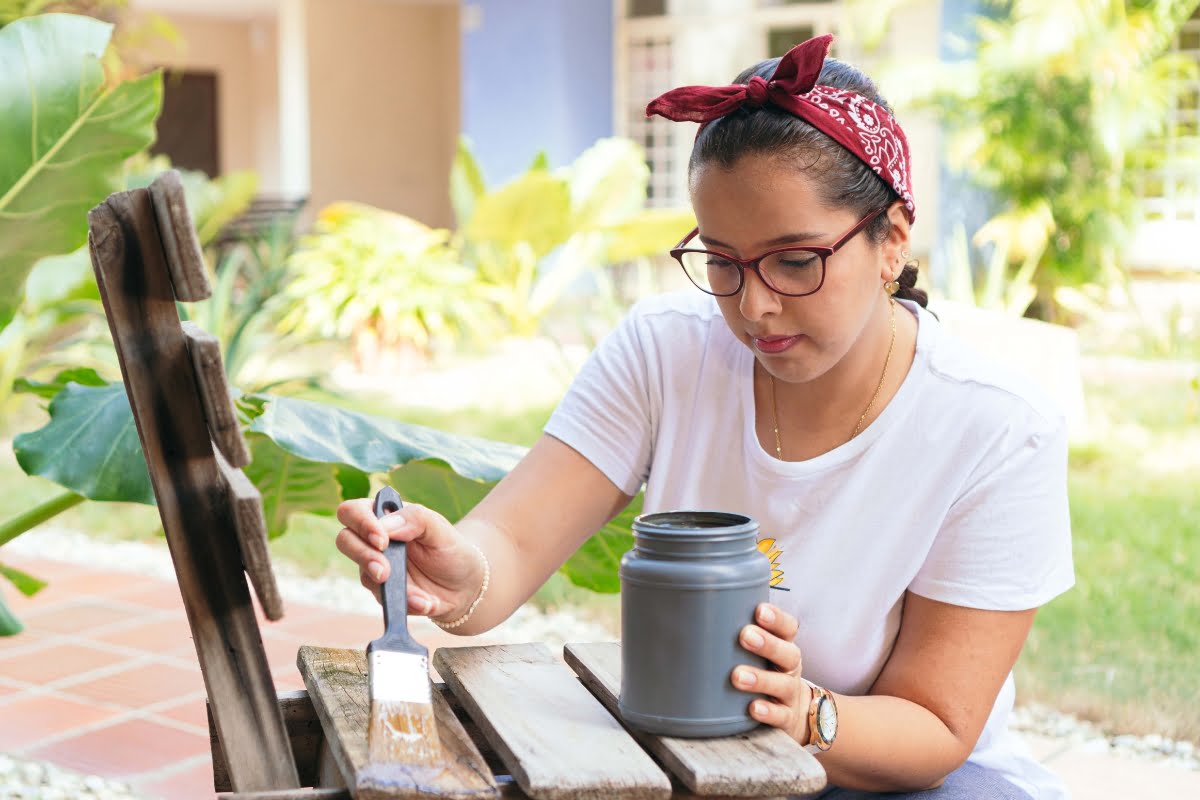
{"type": "Point", "coordinates": [399, 677]}
{"type": "Point", "coordinates": [402, 728]}
{"type": "Point", "coordinates": [403, 733]}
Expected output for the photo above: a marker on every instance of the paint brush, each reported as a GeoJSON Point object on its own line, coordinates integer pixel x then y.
{"type": "Point", "coordinates": [402, 731]}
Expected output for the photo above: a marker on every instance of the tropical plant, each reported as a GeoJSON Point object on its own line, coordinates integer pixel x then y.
{"type": "Point", "coordinates": [384, 280]}
{"type": "Point", "coordinates": [66, 131]}
{"type": "Point", "coordinates": [1047, 117]}
{"type": "Point", "coordinates": [306, 458]}
{"type": "Point", "coordinates": [60, 322]}
{"type": "Point", "coordinates": [531, 240]}
{"type": "Point", "coordinates": [381, 281]}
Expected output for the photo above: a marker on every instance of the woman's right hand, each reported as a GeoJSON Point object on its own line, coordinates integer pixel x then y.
{"type": "Point", "coordinates": [445, 571]}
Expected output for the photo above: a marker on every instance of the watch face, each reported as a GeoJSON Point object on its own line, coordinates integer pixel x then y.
{"type": "Point", "coordinates": [827, 719]}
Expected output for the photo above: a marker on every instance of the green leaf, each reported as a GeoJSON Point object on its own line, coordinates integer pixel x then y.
{"type": "Point", "coordinates": [466, 183]}
{"type": "Point", "coordinates": [434, 484]}
{"type": "Point", "coordinates": [650, 233]}
{"type": "Point", "coordinates": [352, 482]}
{"type": "Point", "coordinates": [57, 279]}
{"type": "Point", "coordinates": [534, 209]}
{"type": "Point", "coordinates": [608, 183]}
{"type": "Point", "coordinates": [63, 138]}
{"type": "Point", "coordinates": [596, 564]}
{"type": "Point", "coordinates": [213, 202]}
{"type": "Point", "coordinates": [85, 376]}
{"type": "Point", "coordinates": [290, 484]}
{"type": "Point", "coordinates": [369, 444]}
{"type": "Point", "coordinates": [26, 584]}
{"type": "Point", "coordinates": [90, 446]}
{"type": "Point", "coordinates": [9, 625]}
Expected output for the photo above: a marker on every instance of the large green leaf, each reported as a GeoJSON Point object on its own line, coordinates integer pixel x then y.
{"type": "Point", "coordinates": [595, 565]}
{"type": "Point", "coordinates": [306, 458]}
{"type": "Point", "coordinates": [534, 209]}
{"type": "Point", "coordinates": [63, 137]}
{"type": "Point", "coordinates": [90, 446]}
{"type": "Point", "coordinates": [608, 183]}
{"type": "Point", "coordinates": [330, 435]}
{"type": "Point", "coordinates": [85, 376]}
{"type": "Point", "coordinates": [651, 232]}
{"type": "Point", "coordinates": [433, 484]}
{"type": "Point", "coordinates": [290, 484]}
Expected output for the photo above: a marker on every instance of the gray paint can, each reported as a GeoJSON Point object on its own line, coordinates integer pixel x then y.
{"type": "Point", "coordinates": [690, 584]}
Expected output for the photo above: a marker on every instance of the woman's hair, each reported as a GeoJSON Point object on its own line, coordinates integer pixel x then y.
{"type": "Point", "coordinates": [843, 179]}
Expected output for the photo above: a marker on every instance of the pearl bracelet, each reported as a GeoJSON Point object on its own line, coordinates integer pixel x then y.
{"type": "Point", "coordinates": [487, 575]}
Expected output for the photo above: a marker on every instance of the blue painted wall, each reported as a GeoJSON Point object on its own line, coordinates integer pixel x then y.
{"type": "Point", "coordinates": [959, 202]}
{"type": "Point", "coordinates": [537, 75]}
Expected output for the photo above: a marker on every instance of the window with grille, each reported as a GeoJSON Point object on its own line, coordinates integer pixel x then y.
{"type": "Point", "coordinates": [646, 8]}
{"type": "Point", "coordinates": [1169, 183]}
{"type": "Point", "coordinates": [780, 40]}
{"type": "Point", "coordinates": [649, 75]}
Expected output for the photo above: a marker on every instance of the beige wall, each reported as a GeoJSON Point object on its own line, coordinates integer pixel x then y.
{"type": "Point", "coordinates": [384, 104]}
{"type": "Point", "coordinates": [383, 99]}
{"type": "Point", "coordinates": [224, 47]}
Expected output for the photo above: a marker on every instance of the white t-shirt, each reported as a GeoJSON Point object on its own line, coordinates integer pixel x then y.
{"type": "Point", "coordinates": [956, 492]}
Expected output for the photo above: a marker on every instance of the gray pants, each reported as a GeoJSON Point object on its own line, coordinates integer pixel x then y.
{"type": "Point", "coordinates": [968, 782]}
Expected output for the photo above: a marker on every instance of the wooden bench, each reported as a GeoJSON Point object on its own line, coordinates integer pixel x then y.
{"type": "Point", "coordinates": [519, 721]}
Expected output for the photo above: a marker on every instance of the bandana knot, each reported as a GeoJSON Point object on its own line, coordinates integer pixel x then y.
{"type": "Point", "coordinates": [861, 126]}
{"type": "Point", "coordinates": [758, 91]}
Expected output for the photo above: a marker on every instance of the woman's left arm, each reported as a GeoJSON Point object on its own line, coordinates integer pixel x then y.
{"type": "Point", "coordinates": [921, 718]}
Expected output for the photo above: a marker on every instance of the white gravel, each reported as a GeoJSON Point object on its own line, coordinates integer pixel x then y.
{"type": "Point", "coordinates": [32, 780]}
{"type": "Point", "coordinates": [38, 780]}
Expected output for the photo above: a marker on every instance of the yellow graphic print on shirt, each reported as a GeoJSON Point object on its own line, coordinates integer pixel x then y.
{"type": "Point", "coordinates": [768, 548]}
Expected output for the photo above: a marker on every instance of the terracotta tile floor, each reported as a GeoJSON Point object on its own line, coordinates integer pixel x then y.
{"type": "Point", "coordinates": [104, 679]}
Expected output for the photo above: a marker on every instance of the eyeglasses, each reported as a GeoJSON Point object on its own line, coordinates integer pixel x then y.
{"type": "Point", "coordinates": [789, 271]}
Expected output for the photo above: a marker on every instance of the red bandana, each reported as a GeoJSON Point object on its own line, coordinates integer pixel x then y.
{"type": "Point", "coordinates": [853, 121]}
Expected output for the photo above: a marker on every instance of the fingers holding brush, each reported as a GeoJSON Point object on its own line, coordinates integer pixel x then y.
{"type": "Point", "coordinates": [442, 565]}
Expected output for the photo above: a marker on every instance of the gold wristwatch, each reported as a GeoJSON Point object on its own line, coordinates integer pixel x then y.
{"type": "Point", "coordinates": [822, 719]}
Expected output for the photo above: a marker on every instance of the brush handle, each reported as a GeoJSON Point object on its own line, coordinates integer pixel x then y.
{"type": "Point", "coordinates": [394, 591]}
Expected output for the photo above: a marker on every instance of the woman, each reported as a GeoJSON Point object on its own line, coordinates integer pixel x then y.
{"type": "Point", "coordinates": [916, 492]}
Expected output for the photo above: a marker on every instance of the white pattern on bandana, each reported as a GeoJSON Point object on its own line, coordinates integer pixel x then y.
{"type": "Point", "coordinates": [876, 130]}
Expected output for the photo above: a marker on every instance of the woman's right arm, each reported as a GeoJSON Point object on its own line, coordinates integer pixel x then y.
{"type": "Point", "coordinates": [526, 527]}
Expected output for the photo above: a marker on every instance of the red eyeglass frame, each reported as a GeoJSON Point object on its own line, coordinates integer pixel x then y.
{"type": "Point", "coordinates": [821, 251]}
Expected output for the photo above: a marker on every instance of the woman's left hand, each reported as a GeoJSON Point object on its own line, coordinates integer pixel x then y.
{"type": "Point", "coordinates": [787, 697]}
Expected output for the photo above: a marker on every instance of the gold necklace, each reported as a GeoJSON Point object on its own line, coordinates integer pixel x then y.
{"type": "Point", "coordinates": [878, 387]}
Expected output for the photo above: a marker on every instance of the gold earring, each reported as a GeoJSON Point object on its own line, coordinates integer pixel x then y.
{"type": "Point", "coordinates": [891, 287]}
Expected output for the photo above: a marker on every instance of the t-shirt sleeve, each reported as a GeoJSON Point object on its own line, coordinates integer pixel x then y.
{"type": "Point", "coordinates": [607, 413]}
{"type": "Point", "coordinates": [1005, 544]}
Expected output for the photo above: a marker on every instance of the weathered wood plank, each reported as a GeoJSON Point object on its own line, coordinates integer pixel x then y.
{"type": "Point", "coordinates": [245, 502]}
{"type": "Point", "coordinates": [289, 794]}
{"type": "Point", "coordinates": [337, 684]}
{"type": "Point", "coordinates": [763, 762]}
{"type": "Point", "coordinates": [185, 260]}
{"type": "Point", "coordinates": [556, 740]}
{"type": "Point", "coordinates": [214, 394]}
{"type": "Point", "coordinates": [127, 256]}
{"type": "Point", "coordinates": [304, 733]}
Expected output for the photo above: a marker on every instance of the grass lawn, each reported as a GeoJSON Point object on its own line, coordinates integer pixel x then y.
{"type": "Point", "coordinates": [1121, 648]}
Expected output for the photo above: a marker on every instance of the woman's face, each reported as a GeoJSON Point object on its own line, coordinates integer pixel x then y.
{"type": "Point", "coordinates": [762, 203]}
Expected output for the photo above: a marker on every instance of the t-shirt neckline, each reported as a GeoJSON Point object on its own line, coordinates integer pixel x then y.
{"type": "Point", "coordinates": [892, 413]}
